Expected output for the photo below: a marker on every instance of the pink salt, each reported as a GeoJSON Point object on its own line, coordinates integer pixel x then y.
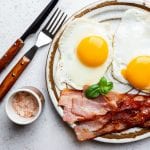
{"type": "Point", "coordinates": [25, 104]}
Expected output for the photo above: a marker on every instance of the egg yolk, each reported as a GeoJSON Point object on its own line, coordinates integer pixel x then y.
{"type": "Point", "coordinates": [138, 72]}
{"type": "Point", "coordinates": [92, 51]}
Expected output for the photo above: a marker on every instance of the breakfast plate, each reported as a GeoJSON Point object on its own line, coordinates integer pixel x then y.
{"type": "Point", "coordinates": [105, 12]}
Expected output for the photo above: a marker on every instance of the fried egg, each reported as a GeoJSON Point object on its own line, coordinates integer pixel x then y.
{"type": "Point", "coordinates": [131, 61]}
{"type": "Point", "coordinates": [85, 53]}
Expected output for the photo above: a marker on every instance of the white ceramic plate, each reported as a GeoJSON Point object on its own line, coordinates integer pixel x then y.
{"type": "Point", "coordinates": [104, 11]}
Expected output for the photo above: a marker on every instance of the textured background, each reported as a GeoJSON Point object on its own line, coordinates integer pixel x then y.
{"type": "Point", "coordinates": [48, 132]}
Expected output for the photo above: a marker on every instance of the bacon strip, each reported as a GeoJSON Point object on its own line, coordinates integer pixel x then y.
{"type": "Point", "coordinates": [114, 122]}
{"type": "Point", "coordinates": [66, 101]}
{"type": "Point", "coordinates": [77, 107]}
{"type": "Point", "coordinates": [111, 113]}
{"type": "Point", "coordinates": [89, 108]}
{"type": "Point", "coordinates": [70, 117]}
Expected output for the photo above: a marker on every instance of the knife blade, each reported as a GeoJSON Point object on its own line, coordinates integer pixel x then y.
{"type": "Point", "coordinates": [18, 44]}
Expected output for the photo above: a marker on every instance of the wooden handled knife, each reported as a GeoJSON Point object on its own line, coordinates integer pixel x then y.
{"type": "Point", "coordinates": [15, 48]}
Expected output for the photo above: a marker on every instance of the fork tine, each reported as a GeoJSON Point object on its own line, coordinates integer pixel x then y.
{"type": "Point", "coordinates": [58, 27]}
{"type": "Point", "coordinates": [53, 20]}
{"type": "Point", "coordinates": [47, 24]}
{"type": "Point", "coordinates": [56, 22]}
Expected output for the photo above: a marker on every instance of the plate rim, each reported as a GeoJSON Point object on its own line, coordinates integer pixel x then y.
{"type": "Point", "coordinates": [50, 92]}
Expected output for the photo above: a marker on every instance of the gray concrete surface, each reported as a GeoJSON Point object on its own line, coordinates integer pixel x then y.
{"type": "Point", "coordinates": [48, 132]}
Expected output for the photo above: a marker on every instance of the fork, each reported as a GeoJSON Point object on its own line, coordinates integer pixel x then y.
{"type": "Point", "coordinates": [44, 38]}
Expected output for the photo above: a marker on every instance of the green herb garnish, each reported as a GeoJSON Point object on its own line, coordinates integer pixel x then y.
{"type": "Point", "coordinates": [101, 88]}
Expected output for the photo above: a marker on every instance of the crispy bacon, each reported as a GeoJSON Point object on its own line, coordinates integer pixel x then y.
{"type": "Point", "coordinates": [77, 107]}
{"type": "Point", "coordinates": [111, 113]}
{"type": "Point", "coordinates": [115, 122]}
{"type": "Point", "coordinates": [70, 117]}
{"type": "Point", "coordinates": [86, 129]}
{"type": "Point", "coordinates": [89, 108]}
{"type": "Point", "coordinates": [66, 101]}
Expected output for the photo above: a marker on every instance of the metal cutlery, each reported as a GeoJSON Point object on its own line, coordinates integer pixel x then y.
{"type": "Point", "coordinates": [44, 38]}
{"type": "Point", "coordinates": [15, 48]}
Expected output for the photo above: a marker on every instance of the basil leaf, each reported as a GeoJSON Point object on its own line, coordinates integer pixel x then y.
{"type": "Point", "coordinates": [102, 87]}
{"type": "Point", "coordinates": [102, 82]}
{"type": "Point", "coordinates": [109, 85]}
{"type": "Point", "coordinates": [103, 90]}
{"type": "Point", "coordinates": [93, 91]}
{"type": "Point", "coordinates": [106, 88]}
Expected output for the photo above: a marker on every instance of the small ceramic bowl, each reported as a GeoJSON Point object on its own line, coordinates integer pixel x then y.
{"type": "Point", "coordinates": [12, 114]}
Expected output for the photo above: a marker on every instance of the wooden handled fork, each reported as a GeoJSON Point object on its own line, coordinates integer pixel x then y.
{"type": "Point", "coordinates": [44, 38]}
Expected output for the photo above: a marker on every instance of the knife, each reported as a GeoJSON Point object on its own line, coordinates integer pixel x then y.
{"type": "Point", "coordinates": [15, 48]}
{"type": "Point", "coordinates": [44, 38]}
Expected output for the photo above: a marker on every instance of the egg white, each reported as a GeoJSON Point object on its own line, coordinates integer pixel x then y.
{"type": "Point", "coordinates": [70, 70]}
{"type": "Point", "coordinates": [132, 39]}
